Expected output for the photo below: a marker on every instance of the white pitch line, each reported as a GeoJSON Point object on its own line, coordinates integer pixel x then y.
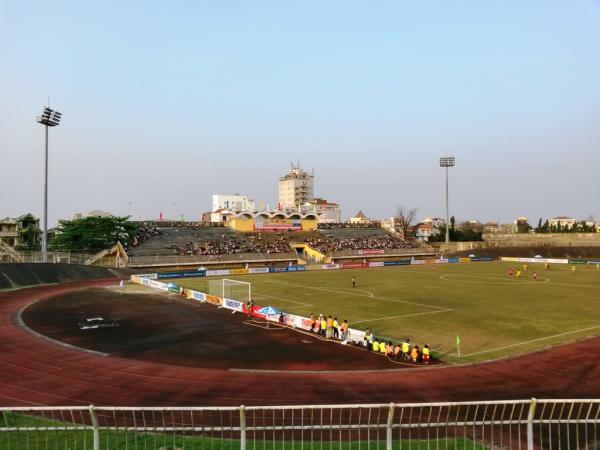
{"type": "Point", "coordinates": [283, 299]}
{"type": "Point", "coordinates": [400, 316]}
{"type": "Point", "coordinates": [356, 294]}
{"type": "Point", "coordinates": [533, 340]}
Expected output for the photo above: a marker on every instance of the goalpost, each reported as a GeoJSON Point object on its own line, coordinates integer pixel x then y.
{"type": "Point", "coordinates": [231, 289]}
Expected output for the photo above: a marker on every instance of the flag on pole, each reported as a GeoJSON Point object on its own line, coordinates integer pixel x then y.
{"type": "Point", "coordinates": [458, 344]}
{"type": "Point", "coordinates": [160, 217]}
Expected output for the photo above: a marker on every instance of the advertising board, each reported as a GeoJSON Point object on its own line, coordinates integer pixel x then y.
{"type": "Point", "coordinates": [259, 270]}
{"type": "Point", "coordinates": [213, 300]}
{"type": "Point", "coordinates": [234, 305]}
{"type": "Point", "coordinates": [200, 296]}
{"type": "Point", "coordinates": [217, 273]}
{"type": "Point", "coordinates": [371, 252]}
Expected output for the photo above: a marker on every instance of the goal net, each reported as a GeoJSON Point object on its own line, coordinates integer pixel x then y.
{"type": "Point", "coordinates": [231, 289]}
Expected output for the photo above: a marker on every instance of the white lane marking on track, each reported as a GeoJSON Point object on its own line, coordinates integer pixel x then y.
{"type": "Point", "coordinates": [533, 340]}
{"type": "Point", "coordinates": [400, 316]}
{"type": "Point", "coordinates": [355, 294]}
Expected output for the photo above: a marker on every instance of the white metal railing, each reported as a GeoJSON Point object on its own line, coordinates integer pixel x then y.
{"type": "Point", "coordinates": [520, 424]}
{"type": "Point", "coordinates": [51, 257]}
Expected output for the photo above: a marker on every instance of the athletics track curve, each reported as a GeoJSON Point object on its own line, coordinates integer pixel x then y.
{"type": "Point", "coordinates": [36, 371]}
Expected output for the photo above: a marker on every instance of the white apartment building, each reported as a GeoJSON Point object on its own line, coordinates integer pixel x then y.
{"type": "Point", "coordinates": [327, 212]}
{"type": "Point", "coordinates": [235, 203]}
{"type": "Point", "coordinates": [296, 188]}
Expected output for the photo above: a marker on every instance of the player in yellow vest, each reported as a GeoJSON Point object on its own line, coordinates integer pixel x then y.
{"type": "Point", "coordinates": [382, 347]}
{"type": "Point", "coordinates": [323, 326]}
{"type": "Point", "coordinates": [518, 274]}
{"type": "Point", "coordinates": [336, 328]}
{"type": "Point", "coordinates": [375, 345]}
{"type": "Point", "coordinates": [405, 349]}
{"type": "Point", "coordinates": [426, 353]}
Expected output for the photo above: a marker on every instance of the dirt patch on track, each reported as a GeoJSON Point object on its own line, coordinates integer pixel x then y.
{"type": "Point", "coordinates": [169, 330]}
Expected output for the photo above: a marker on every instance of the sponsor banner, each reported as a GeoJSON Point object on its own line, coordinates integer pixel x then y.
{"type": "Point", "coordinates": [272, 224]}
{"type": "Point", "coordinates": [376, 264]}
{"type": "Point", "coordinates": [464, 260]}
{"type": "Point", "coordinates": [482, 258]}
{"type": "Point", "coordinates": [296, 268]}
{"type": "Point", "coordinates": [157, 285]}
{"type": "Point", "coordinates": [542, 260]}
{"type": "Point", "coordinates": [441, 261]}
{"type": "Point", "coordinates": [172, 287]}
{"type": "Point", "coordinates": [217, 273]}
{"type": "Point", "coordinates": [278, 269]}
{"type": "Point", "coordinates": [136, 279]}
{"type": "Point", "coordinates": [454, 259]}
{"type": "Point", "coordinates": [151, 276]}
{"type": "Point", "coordinates": [295, 321]}
{"type": "Point", "coordinates": [371, 252]}
{"type": "Point", "coordinates": [238, 271]}
{"type": "Point", "coordinates": [200, 296]}
{"type": "Point", "coordinates": [577, 261]}
{"type": "Point", "coordinates": [417, 262]}
{"type": "Point", "coordinates": [234, 305]}
{"type": "Point", "coordinates": [146, 281]}
{"type": "Point", "coordinates": [213, 299]}
{"type": "Point", "coordinates": [197, 273]}
{"type": "Point", "coordinates": [508, 259]}
{"type": "Point", "coordinates": [402, 262]}
{"type": "Point", "coordinates": [259, 270]}
{"type": "Point", "coordinates": [330, 266]}
{"type": "Point", "coordinates": [429, 261]}
{"type": "Point", "coordinates": [170, 275]}
{"type": "Point", "coordinates": [352, 266]}
{"type": "Point", "coordinates": [188, 274]}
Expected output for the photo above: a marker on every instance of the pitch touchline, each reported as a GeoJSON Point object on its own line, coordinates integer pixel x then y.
{"type": "Point", "coordinates": [400, 316]}
{"type": "Point", "coordinates": [533, 340]}
{"type": "Point", "coordinates": [355, 294]}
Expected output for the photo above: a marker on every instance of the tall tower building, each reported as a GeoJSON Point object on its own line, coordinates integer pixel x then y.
{"type": "Point", "coordinates": [296, 188]}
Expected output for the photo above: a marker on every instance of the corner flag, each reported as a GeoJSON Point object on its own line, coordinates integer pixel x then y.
{"type": "Point", "coordinates": [458, 344]}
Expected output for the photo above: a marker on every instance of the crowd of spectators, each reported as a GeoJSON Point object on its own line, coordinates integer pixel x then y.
{"type": "Point", "coordinates": [146, 231]}
{"type": "Point", "coordinates": [236, 244]}
{"type": "Point", "coordinates": [327, 245]}
{"type": "Point", "coordinates": [333, 226]}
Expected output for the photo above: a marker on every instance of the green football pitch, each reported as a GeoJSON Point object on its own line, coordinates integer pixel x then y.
{"type": "Point", "coordinates": [495, 315]}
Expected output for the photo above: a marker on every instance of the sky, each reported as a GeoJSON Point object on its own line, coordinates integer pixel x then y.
{"type": "Point", "coordinates": [167, 103]}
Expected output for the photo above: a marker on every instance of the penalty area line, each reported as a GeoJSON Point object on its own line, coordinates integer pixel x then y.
{"type": "Point", "coordinates": [401, 316]}
{"type": "Point", "coordinates": [533, 340]}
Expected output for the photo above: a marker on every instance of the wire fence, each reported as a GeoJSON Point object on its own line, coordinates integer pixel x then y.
{"type": "Point", "coordinates": [521, 424]}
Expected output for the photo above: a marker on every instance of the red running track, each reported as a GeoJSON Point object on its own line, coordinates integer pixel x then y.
{"type": "Point", "coordinates": [36, 371]}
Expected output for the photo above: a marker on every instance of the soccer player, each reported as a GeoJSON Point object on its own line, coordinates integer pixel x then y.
{"type": "Point", "coordinates": [573, 268]}
{"type": "Point", "coordinates": [353, 281]}
{"type": "Point", "coordinates": [547, 266]}
{"type": "Point", "coordinates": [511, 272]}
{"type": "Point", "coordinates": [518, 274]}
{"type": "Point", "coordinates": [534, 276]}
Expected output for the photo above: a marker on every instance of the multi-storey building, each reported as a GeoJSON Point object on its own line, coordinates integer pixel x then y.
{"type": "Point", "coordinates": [21, 233]}
{"type": "Point", "coordinates": [296, 188]}
{"type": "Point", "coordinates": [235, 203]}
{"type": "Point", "coordinates": [326, 212]}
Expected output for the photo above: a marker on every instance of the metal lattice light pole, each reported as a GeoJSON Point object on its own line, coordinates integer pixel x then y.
{"type": "Point", "coordinates": [447, 161]}
{"type": "Point", "coordinates": [49, 118]}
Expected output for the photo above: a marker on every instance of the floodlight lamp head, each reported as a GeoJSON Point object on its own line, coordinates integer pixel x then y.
{"type": "Point", "coordinates": [447, 161]}
{"type": "Point", "coordinates": [49, 117]}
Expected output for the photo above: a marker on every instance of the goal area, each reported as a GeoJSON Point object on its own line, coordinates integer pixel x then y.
{"type": "Point", "coordinates": [231, 289]}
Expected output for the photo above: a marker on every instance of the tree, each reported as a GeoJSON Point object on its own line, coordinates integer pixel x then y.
{"type": "Point", "coordinates": [404, 218]}
{"type": "Point", "coordinates": [93, 233]}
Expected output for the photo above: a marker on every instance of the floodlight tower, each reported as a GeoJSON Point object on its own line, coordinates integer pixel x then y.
{"type": "Point", "coordinates": [447, 161]}
{"type": "Point", "coordinates": [49, 118]}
